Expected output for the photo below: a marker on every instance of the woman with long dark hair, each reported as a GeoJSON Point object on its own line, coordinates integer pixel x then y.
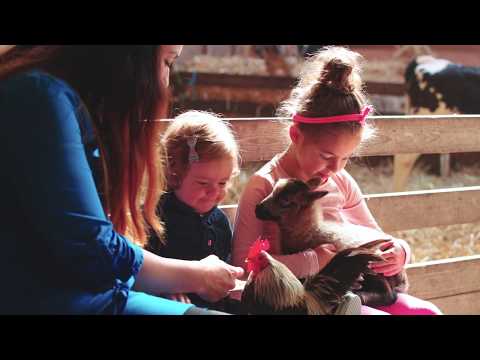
{"type": "Point", "coordinates": [81, 179]}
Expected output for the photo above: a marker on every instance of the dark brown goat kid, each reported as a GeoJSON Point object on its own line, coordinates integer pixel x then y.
{"type": "Point", "coordinates": [291, 206]}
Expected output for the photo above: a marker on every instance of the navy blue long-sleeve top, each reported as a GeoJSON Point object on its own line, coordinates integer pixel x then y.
{"type": "Point", "coordinates": [191, 236]}
{"type": "Point", "coordinates": [60, 253]}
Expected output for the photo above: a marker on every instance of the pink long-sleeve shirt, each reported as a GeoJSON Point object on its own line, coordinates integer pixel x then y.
{"type": "Point", "coordinates": [344, 203]}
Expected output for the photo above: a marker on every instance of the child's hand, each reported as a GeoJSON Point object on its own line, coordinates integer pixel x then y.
{"type": "Point", "coordinates": [325, 253]}
{"type": "Point", "coordinates": [179, 297]}
{"type": "Point", "coordinates": [394, 259]}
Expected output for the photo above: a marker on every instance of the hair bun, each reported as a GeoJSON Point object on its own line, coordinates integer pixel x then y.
{"type": "Point", "coordinates": [336, 75]}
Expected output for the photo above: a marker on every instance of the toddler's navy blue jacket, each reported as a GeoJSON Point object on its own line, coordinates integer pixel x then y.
{"type": "Point", "coordinates": [189, 235]}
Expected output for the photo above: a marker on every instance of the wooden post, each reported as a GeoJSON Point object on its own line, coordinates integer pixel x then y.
{"type": "Point", "coordinates": [444, 165]}
{"type": "Point", "coordinates": [402, 167]}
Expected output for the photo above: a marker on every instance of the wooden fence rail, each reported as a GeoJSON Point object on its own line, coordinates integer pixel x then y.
{"type": "Point", "coordinates": [261, 138]}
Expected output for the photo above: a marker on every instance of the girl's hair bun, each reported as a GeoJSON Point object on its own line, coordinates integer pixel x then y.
{"type": "Point", "coordinates": [336, 75]}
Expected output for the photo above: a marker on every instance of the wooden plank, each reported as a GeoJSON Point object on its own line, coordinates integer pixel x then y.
{"type": "Point", "coordinates": [232, 95]}
{"type": "Point", "coordinates": [440, 134]}
{"type": "Point", "coordinates": [261, 138]}
{"type": "Point", "coordinates": [383, 88]}
{"type": "Point", "coordinates": [238, 81]}
{"type": "Point", "coordinates": [451, 284]}
{"type": "Point", "coordinates": [280, 83]}
{"type": "Point", "coordinates": [460, 304]}
{"type": "Point", "coordinates": [417, 209]}
{"type": "Point", "coordinates": [395, 135]}
{"type": "Point", "coordinates": [260, 141]}
{"type": "Point", "coordinates": [443, 278]}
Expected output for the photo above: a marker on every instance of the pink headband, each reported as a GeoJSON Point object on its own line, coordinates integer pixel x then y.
{"type": "Point", "coordinates": [360, 118]}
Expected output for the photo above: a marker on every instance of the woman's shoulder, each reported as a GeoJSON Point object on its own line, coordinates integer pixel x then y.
{"type": "Point", "coordinates": [43, 103]}
{"type": "Point", "coordinates": [35, 83]}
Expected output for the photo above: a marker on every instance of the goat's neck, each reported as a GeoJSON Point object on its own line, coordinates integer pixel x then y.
{"type": "Point", "coordinates": [299, 229]}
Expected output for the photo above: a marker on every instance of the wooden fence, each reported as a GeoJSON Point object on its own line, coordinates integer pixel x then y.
{"type": "Point", "coordinates": [452, 284]}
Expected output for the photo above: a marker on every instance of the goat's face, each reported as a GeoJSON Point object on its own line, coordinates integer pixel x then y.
{"type": "Point", "coordinates": [289, 198]}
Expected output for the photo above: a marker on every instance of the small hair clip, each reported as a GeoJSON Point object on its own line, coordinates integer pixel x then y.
{"type": "Point", "coordinates": [192, 154]}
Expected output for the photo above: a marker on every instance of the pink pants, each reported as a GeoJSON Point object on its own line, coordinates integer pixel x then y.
{"type": "Point", "coordinates": [405, 305]}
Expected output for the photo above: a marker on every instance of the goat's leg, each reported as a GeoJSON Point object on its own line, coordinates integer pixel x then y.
{"type": "Point", "coordinates": [370, 298]}
{"type": "Point", "coordinates": [376, 291]}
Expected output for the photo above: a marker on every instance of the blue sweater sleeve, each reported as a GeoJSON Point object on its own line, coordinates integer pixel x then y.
{"type": "Point", "coordinates": [55, 186]}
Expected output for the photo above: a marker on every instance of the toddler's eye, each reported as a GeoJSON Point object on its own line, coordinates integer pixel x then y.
{"type": "Point", "coordinates": [168, 64]}
{"type": "Point", "coordinates": [222, 184]}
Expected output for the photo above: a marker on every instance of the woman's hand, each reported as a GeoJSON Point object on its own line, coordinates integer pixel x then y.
{"type": "Point", "coordinates": [217, 278]}
{"type": "Point", "coordinates": [325, 253]}
{"type": "Point", "coordinates": [394, 259]}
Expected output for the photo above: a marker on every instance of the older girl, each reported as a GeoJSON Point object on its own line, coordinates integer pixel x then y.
{"type": "Point", "coordinates": [329, 112]}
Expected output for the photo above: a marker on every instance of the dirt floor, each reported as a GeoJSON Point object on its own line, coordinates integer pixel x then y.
{"type": "Point", "coordinates": [428, 243]}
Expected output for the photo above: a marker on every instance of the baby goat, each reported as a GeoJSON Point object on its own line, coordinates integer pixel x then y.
{"type": "Point", "coordinates": [291, 206]}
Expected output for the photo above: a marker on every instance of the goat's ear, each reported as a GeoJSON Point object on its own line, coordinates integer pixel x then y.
{"type": "Point", "coordinates": [315, 195]}
{"type": "Point", "coordinates": [314, 182]}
